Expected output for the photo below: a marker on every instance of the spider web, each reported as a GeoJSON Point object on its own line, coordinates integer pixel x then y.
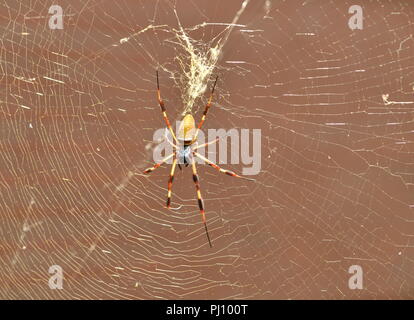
{"type": "Point", "coordinates": [78, 113]}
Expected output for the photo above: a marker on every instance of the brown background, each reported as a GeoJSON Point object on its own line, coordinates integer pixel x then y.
{"type": "Point", "coordinates": [336, 185]}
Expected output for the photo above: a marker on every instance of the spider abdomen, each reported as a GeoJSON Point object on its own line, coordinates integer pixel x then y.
{"type": "Point", "coordinates": [186, 130]}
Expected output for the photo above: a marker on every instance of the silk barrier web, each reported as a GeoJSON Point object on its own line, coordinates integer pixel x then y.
{"type": "Point", "coordinates": [78, 114]}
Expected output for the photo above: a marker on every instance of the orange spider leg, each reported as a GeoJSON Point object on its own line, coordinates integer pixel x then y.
{"type": "Point", "coordinates": [170, 181]}
{"type": "Point", "coordinates": [205, 144]}
{"type": "Point", "coordinates": [171, 143]}
{"type": "Point", "coordinates": [211, 164]}
{"type": "Point", "coordinates": [200, 200]}
{"type": "Point", "coordinates": [164, 112]}
{"type": "Point", "coordinates": [203, 118]}
{"type": "Point", "coordinates": [149, 170]}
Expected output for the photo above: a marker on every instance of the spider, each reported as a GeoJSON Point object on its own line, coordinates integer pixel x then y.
{"type": "Point", "coordinates": [185, 151]}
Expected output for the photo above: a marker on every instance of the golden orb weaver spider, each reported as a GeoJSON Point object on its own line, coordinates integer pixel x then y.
{"type": "Point", "coordinates": [184, 153]}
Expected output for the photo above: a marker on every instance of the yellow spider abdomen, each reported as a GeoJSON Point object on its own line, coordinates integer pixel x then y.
{"type": "Point", "coordinates": [187, 128]}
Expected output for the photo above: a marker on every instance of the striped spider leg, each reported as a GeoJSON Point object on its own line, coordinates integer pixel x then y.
{"type": "Point", "coordinates": [212, 164]}
{"type": "Point", "coordinates": [200, 199]}
{"type": "Point", "coordinates": [164, 112]}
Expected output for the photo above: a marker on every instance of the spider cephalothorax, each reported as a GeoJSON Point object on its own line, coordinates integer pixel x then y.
{"type": "Point", "coordinates": [184, 156]}
{"type": "Point", "coordinates": [185, 146]}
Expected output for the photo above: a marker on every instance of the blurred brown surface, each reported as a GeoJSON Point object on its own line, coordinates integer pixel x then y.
{"type": "Point", "coordinates": [336, 185]}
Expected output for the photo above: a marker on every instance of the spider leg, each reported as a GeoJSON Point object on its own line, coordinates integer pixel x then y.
{"type": "Point", "coordinates": [164, 112]}
{"type": "Point", "coordinates": [228, 172]}
{"type": "Point", "coordinates": [205, 144]}
{"type": "Point", "coordinates": [170, 142]}
{"type": "Point", "coordinates": [203, 118]}
{"type": "Point", "coordinates": [170, 181]}
{"type": "Point", "coordinates": [200, 200]}
{"type": "Point", "coordinates": [149, 170]}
